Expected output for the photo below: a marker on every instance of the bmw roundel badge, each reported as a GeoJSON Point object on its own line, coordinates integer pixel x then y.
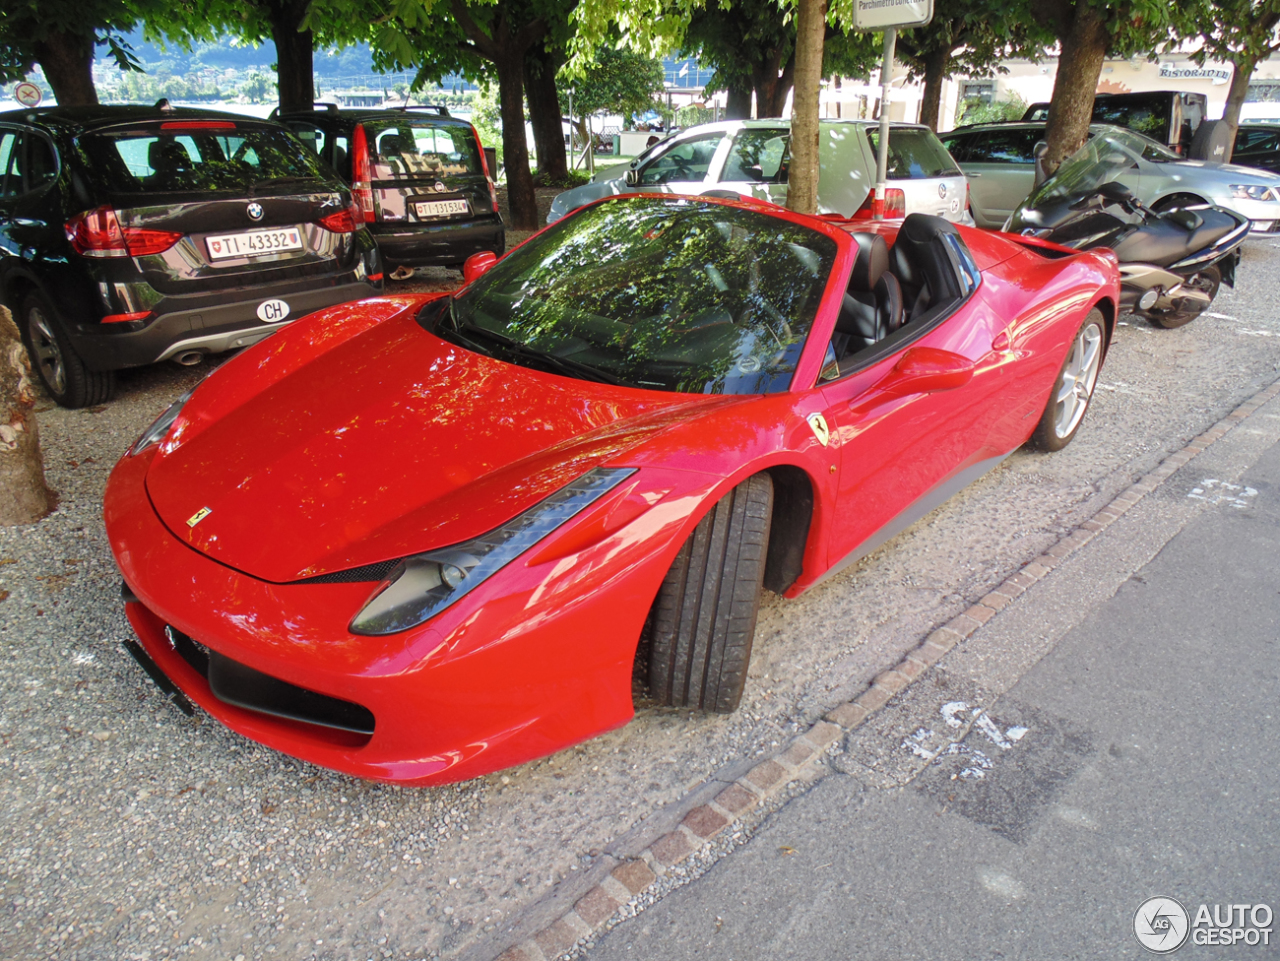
{"type": "Point", "coordinates": [255, 211]}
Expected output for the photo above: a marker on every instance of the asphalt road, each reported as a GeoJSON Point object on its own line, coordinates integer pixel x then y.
{"type": "Point", "coordinates": [1136, 759]}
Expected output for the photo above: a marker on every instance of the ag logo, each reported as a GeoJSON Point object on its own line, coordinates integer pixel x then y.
{"type": "Point", "coordinates": [255, 211]}
{"type": "Point", "coordinates": [1161, 925]}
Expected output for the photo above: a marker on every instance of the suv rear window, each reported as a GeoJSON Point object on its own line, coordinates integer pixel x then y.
{"type": "Point", "coordinates": [173, 157]}
{"type": "Point", "coordinates": [914, 154]}
{"type": "Point", "coordinates": [405, 149]}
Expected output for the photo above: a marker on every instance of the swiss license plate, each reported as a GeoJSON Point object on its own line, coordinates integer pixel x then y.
{"type": "Point", "coordinates": [430, 209]}
{"type": "Point", "coordinates": [252, 243]}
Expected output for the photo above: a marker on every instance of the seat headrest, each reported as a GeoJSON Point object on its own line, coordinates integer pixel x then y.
{"type": "Point", "coordinates": [871, 263]}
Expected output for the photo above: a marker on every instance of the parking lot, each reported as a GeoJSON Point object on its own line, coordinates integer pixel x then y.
{"type": "Point", "coordinates": [133, 832]}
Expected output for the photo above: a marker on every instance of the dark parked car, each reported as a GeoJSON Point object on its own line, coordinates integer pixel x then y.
{"type": "Point", "coordinates": [1170, 117]}
{"type": "Point", "coordinates": [420, 177]}
{"type": "Point", "coordinates": [1258, 145]}
{"type": "Point", "coordinates": [132, 235]}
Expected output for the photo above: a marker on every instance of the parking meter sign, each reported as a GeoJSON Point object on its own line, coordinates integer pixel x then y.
{"type": "Point", "coordinates": [27, 94]}
{"type": "Point", "coordinates": [880, 14]}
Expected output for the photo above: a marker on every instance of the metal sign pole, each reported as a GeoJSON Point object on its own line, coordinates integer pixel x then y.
{"type": "Point", "coordinates": [882, 160]}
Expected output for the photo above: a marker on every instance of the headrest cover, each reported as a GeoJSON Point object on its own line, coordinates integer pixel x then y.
{"type": "Point", "coordinates": [871, 263]}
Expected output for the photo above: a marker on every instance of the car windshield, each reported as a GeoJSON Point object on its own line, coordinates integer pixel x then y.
{"type": "Point", "coordinates": [659, 293]}
{"type": "Point", "coordinates": [1109, 153]}
{"type": "Point", "coordinates": [197, 156]}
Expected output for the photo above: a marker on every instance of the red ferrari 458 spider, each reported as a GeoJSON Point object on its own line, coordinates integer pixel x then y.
{"type": "Point", "coordinates": [420, 538]}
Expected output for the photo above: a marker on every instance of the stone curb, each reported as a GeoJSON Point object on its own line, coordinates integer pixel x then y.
{"type": "Point", "coordinates": [598, 906]}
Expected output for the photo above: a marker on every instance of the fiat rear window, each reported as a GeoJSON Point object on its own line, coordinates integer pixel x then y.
{"type": "Point", "coordinates": [172, 157]}
{"type": "Point", "coordinates": [414, 150]}
{"type": "Point", "coordinates": [914, 154]}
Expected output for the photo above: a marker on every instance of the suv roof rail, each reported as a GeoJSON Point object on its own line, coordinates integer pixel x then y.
{"type": "Point", "coordinates": [329, 107]}
{"type": "Point", "coordinates": [441, 109]}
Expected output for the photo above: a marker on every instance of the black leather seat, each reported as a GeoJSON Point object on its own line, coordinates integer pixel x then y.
{"type": "Point", "coordinates": [872, 307]}
{"type": "Point", "coordinates": [924, 261]}
{"type": "Point", "coordinates": [1162, 241]}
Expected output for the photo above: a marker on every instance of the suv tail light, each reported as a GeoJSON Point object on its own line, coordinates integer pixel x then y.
{"type": "Point", "coordinates": [895, 204]}
{"type": "Point", "coordinates": [97, 233]}
{"type": "Point", "coordinates": [345, 221]}
{"type": "Point", "coordinates": [484, 165]}
{"type": "Point", "coordinates": [361, 175]}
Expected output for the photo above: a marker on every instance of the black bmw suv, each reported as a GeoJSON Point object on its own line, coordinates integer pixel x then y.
{"type": "Point", "coordinates": [132, 235]}
{"type": "Point", "coordinates": [419, 176]}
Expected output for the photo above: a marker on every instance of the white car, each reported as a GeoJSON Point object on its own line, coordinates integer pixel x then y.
{"type": "Point", "coordinates": [1000, 163]}
{"type": "Point", "coordinates": [749, 158]}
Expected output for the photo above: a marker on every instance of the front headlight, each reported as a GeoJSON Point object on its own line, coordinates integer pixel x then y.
{"type": "Point", "coordinates": [159, 428]}
{"type": "Point", "coordinates": [1253, 192]}
{"type": "Point", "coordinates": [423, 585]}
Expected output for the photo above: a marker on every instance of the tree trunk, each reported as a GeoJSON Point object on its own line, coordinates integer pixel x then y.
{"type": "Point", "coordinates": [294, 74]}
{"type": "Point", "coordinates": [544, 113]}
{"type": "Point", "coordinates": [515, 147]}
{"type": "Point", "coordinates": [738, 104]}
{"type": "Point", "coordinates": [1240, 79]}
{"type": "Point", "coordinates": [1084, 47]}
{"type": "Point", "coordinates": [768, 80]}
{"type": "Point", "coordinates": [24, 498]}
{"type": "Point", "coordinates": [935, 71]}
{"type": "Point", "coordinates": [802, 179]}
{"type": "Point", "coordinates": [67, 61]}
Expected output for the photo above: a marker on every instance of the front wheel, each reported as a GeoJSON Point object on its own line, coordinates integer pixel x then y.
{"type": "Point", "coordinates": [1073, 389]}
{"type": "Point", "coordinates": [704, 618]}
{"type": "Point", "coordinates": [64, 375]}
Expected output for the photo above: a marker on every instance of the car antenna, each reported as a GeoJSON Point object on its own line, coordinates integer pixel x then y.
{"type": "Point", "coordinates": [164, 106]}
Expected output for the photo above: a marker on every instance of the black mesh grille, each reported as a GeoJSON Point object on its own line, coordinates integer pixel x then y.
{"type": "Point", "coordinates": [370, 572]}
{"type": "Point", "coordinates": [237, 684]}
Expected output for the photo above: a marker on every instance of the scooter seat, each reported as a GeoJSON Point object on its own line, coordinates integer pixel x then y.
{"type": "Point", "coordinates": [1162, 242]}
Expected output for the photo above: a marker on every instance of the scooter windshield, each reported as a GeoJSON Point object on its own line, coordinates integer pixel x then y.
{"type": "Point", "coordinates": [1108, 154]}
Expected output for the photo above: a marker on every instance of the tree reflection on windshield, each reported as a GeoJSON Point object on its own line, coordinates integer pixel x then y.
{"type": "Point", "coordinates": [663, 293]}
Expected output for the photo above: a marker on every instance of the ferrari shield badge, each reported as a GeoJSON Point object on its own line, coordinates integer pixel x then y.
{"type": "Point", "coordinates": [820, 430]}
{"type": "Point", "coordinates": [198, 516]}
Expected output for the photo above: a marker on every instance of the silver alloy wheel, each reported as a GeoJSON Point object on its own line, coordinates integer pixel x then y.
{"type": "Point", "coordinates": [1078, 377]}
{"type": "Point", "coordinates": [48, 358]}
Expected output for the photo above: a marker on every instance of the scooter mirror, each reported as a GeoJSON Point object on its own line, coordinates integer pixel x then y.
{"type": "Point", "coordinates": [1116, 192]}
{"type": "Point", "coordinates": [1040, 151]}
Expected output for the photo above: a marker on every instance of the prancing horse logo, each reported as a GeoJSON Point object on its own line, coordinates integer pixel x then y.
{"type": "Point", "coordinates": [198, 516]}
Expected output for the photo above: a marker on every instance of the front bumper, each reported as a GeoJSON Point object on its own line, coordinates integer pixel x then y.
{"type": "Point", "coordinates": [534, 660]}
{"type": "Point", "coordinates": [1263, 214]}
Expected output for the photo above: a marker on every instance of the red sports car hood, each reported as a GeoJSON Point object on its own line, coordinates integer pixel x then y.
{"type": "Point", "coordinates": [323, 456]}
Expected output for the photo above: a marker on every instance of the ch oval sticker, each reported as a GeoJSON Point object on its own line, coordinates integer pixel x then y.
{"type": "Point", "coordinates": [272, 311]}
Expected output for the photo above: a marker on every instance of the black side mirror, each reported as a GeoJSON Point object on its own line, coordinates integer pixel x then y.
{"type": "Point", "coordinates": [1116, 193]}
{"type": "Point", "coordinates": [1040, 151]}
{"type": "Point", "coordinates": [632, 177]}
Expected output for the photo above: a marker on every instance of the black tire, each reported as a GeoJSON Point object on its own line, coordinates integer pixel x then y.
{"type": "Point", "coordinates": [1057, 426]}
{"type": "Point", "coordinates": [64, 375]}
{"type": "Point", "coordinates": [1208, 280]}
{"type": "Point", "coordinates": [704, 618]}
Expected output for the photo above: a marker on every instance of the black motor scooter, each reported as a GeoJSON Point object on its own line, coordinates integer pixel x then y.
{"type": "Point", "coordinates": [1171, 263]}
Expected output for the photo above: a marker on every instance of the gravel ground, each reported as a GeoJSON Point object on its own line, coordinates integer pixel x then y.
{"type": "Point", "coordinates": [130, 831]}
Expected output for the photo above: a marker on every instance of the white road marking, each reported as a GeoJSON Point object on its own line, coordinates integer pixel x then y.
{"type": "Point", "coordinates": [1255, 333]}
{"type": "Point", "coordinates": [1216, 493]}
{"type": "Point", "coordinates": [1210, 313]}
{"type": "Point", "coordinates": [951, 709]}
